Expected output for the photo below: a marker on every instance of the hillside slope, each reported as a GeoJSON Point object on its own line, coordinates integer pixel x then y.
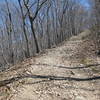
{"type": "Point", "coordinates": [61, 73]}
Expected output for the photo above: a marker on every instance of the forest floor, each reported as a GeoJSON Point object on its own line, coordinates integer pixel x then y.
{"type": "Point", "coordinates": [67, 72]}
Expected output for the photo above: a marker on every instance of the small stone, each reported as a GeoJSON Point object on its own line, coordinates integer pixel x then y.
{"type": "Point", "coordinates": [80, 98]}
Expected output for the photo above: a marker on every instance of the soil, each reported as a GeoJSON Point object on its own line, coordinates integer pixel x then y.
{"type": "Point", "coordinates": [61, 73]}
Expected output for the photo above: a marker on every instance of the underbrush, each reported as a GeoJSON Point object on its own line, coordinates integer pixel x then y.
{"type": "Point", "coordinates": [95, 37]}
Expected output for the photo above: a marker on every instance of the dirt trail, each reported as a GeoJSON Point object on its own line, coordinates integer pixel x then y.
{"type": "Point", "coordinates": [58, 75]}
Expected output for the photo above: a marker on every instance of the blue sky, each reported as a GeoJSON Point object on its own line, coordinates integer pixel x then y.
{"type": "Point", "coordinates": [85, 3]}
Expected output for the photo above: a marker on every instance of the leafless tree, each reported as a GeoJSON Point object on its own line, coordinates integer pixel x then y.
{"type": "Point", "coordinates": [30, 26]}
{"type": "Point", "coordinates": [27, 53]}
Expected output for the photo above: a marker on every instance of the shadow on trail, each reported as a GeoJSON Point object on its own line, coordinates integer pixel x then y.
{"type": "Point", "coordinates": [67, 86]}
{"type": "Point", "coordinates": [61, 66]}
{"type": "Point", "coordinates": [48, 77]}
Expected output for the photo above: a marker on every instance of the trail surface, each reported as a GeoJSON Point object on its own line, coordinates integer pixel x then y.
{"type": "Point", "coordinates": [57, 74]}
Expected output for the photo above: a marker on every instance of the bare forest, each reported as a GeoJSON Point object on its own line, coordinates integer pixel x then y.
{"type": "Point", "coordinates": [28, 27]}
{"type": "Point", "coordinates": [49, 49]}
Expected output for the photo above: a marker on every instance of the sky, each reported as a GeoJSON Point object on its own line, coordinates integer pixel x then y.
{"type": "Point", "coordinates": [85, 3]}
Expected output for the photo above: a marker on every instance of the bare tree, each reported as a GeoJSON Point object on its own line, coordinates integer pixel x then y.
{"type": "Point", "coordinates": [9, 28]}
{"type": "Point", "coordinates": [37, 25]}
{"type": "Point", "coordinates": [32, 18]}
{"type": "Point", "coordinates": [27, 53]}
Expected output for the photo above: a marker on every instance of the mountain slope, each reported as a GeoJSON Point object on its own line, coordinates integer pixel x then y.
{"type": "Point", "coordinates": [61, 73]}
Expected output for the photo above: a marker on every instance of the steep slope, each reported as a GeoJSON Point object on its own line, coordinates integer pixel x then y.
{"type": "Point", "coordinates": [58, 74]}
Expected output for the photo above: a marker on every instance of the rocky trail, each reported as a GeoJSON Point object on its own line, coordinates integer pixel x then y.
{"type": "Point", "coordinates": [57, 74]}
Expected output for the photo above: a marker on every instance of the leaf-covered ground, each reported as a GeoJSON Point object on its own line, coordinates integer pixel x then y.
{"type": "Point", "coordinates": [67, 72]}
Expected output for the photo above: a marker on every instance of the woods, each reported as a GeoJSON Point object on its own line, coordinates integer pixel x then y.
{"type": "Point", "coordinates": [49, 49]}
{"type": "Point", "coordinates": [96, 26]}
{"type": "Point", "coordinates": [28, 27]}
